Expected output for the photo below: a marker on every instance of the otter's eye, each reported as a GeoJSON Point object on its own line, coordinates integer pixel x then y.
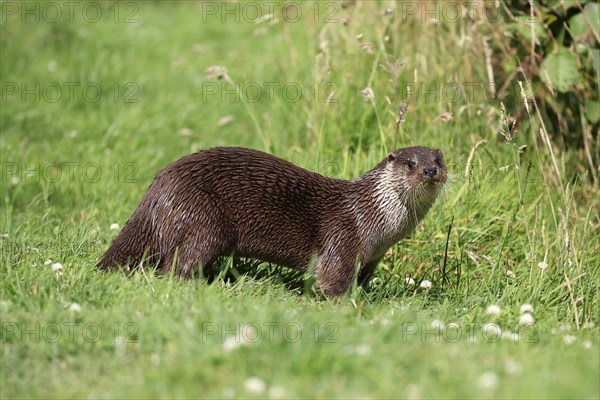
{"type": "Point", "coordinates": [410, 165]}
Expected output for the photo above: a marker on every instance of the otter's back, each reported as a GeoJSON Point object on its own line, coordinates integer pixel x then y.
{"type": "Point", "coordinates": [275, 206]}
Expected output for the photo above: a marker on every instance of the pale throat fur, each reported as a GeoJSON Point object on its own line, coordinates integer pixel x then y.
{"type": "Point", "coordinates": [394, 208]}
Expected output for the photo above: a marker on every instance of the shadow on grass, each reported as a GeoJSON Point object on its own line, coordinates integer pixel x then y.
{"type": "Point", "coordinates": [229, 270]}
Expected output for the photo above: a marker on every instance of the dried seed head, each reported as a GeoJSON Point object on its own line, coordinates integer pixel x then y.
{"type": "Point", "coordinates": [445, 117]}
{"type": "Point", "coordinates": [217, 72]}
{"type": "Point", "coordinates": [368, 47]}
{"type": "Point", "coordinates": [393, 68]}
{"type": "Point", "coordinates": [401, 116]}
{"type": "Point", "coordinates": [368, 94]}
{"type": "Point", "coordinates": [225, 120]}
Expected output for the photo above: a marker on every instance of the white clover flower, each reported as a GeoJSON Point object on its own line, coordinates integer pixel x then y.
{"type": "Point", "coordinates": [232, 343]}
{"type": "Point", "coordinates": [587, 344]}
{"type": "Point", "coordinates": [363, 349]}
{"type": "Point", "coordinates": [228, 393]}
{"type": "Point", "coordinates": [277, 392]}
{"type": "Point", "coordinates": [512, 368]}
{"type": "Point", "coordinates": [564, 327]}
{"type": "Point", "coordinates": [426, 284]}
{"type": "Point", "coordinates": [243, 337]}
{"type": "Point", "coordinates": [114, 227]}
{"type": "Point", "coordinates": [569, 339]}
{"type": "Point", "coordinates": [412, 391]}
{"type": "Point", "coordinates": [48, 262]}
{"type": "Point", "coordinates": [255, 385]}
{"type": "Point", "coordinates": [491, 329]}
{"type": "Point", "coordinates": [75, 307]}
{"type": "Point", "coordinates": [543, 265]}
{"type": "Point", "coordinates": [526, 308]}
{"type": "Point", "coordinates": [488, 380]}
{"type": "Point", "coordinates": [514, 336]}
{"type": "Point", "coordinates": [409, 281]}
{"type": "Point", "coordinates": [120, 341]}
{"type": "Point", "coordinates": [120, 345]}
{"type": "Point", "coordinates": [437, 324]}
{"type": "Point", "coordinates": [526, 319]}
{"type": "Point", "coordinates": [57, 267]}
{"type": "Point", "coordinates": [493, 309]}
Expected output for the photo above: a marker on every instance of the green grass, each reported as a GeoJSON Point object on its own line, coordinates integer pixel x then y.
{"type": "Point", "coordinates": [149, 336]}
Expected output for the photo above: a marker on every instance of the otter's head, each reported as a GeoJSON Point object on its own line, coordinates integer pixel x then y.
{"type": "Point", "coordinates": [417, 174]}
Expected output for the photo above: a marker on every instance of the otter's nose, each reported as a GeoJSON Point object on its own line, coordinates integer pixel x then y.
{"type": "Point", "coordinates": [430, 172]}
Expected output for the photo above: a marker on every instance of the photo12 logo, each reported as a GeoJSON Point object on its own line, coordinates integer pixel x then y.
{"type": "Point", "coordinates": [68, 11]}
{"type": "Point", "coordinates": [237, 334]}
{"type": "Point", "coordinates": [449, 11]}
{"type": "Point", "coordinates": [269, 11]}
{"type": "Point", "coordinates": [69, 92]}
{"type": "Point", "coordinates": [253, 92]}
{"type": "Point", "coordinates": [69, 331]}
{"type": "Point", "coordinates": [69, 171]}
{"type": "Point", "coordinates": [454, 332]}
{"type": "Point", "coordinates": [461, 92]}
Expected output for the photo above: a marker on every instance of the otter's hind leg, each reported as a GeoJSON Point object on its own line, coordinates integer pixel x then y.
{"type": "Point", "coordinates": [208, 236]}
{"type": "Point", "coordinates": [202, 248]}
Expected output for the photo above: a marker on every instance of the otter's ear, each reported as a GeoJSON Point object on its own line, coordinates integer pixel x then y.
{"type": "Point", "coordinates": [391, 157]}
{"type": "Point", "coordinates": [439, 153]}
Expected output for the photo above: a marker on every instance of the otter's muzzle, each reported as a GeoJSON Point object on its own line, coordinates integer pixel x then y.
{"type": "Point", "coordinates": [430, 172]}
{"type": "Point", "coordinates": [433, 175]}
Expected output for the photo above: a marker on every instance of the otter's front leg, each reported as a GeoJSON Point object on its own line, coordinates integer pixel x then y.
{"type": "Point", "coordinates": [335, 272]}
{"type": "Point", "coordinates": [364, 276]}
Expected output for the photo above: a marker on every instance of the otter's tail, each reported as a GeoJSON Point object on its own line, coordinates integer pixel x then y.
{"type": "Point", "coordinates": [128, 247]}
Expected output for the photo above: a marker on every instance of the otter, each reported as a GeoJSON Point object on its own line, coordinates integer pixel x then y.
{"type": "Point", "coordinates": [237, 201]}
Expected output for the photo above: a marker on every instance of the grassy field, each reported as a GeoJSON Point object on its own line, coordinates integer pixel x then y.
{"type": "Point", "coordinates": [96, 100]}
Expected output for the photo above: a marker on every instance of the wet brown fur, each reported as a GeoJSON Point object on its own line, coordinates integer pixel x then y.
{"type": "Point", "coordinates": [225, 201]}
